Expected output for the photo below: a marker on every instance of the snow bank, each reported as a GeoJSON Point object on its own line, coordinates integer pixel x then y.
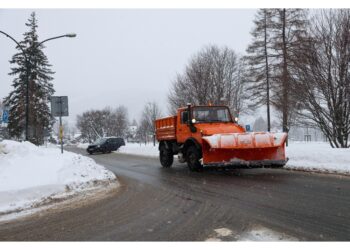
{"type": "Point", "coordinates": [318, 156]}
{"type": "Point", "coordinates": [30, 175]}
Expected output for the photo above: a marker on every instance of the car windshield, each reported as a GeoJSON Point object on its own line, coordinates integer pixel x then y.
{"type": "Point", "coordinates": [100, 141]}
{"type": "Point", "coordinates": [211, 114]}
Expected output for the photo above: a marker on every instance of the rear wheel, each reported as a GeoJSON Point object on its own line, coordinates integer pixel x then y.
{"type": "Point", "coordinates": [166, 157]}
{"type": "Point", "coordinates": [193, 157]}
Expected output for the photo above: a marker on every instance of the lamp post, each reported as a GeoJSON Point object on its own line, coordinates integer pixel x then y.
{"type": "Point", "coordinates": [27, 61]}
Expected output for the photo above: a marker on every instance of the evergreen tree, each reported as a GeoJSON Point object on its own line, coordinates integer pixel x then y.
{"type": "Point", "coordinates": [259, 59]}
{"type": "Point", "coordinates": [37, 70]}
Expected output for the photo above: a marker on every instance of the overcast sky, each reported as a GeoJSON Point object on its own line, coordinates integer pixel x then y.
{"type": "Point", "coordinates": [121, 57]}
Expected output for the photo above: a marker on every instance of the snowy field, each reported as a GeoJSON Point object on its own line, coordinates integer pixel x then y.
{"type": "Point", "coordinates": [31, 175]}
{"type": "Point", "coordinates": [318, 156]}
{"type": "Point", "coordinates": [308, 156]}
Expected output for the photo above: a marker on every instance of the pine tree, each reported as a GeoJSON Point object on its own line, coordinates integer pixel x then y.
{"type": "Point", "coordinates": [259, 59]}
{"type": "Point", "coordinates": [37, 70]}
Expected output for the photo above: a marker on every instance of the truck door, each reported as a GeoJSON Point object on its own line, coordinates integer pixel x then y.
{"type": "Point", "coordinates": [183, 130]}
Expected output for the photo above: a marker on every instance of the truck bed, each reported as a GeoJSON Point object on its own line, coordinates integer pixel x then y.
{"type": "Point", "coordinates": [166, 128]}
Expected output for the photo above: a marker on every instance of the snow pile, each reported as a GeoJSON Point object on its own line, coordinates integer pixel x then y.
{"type": "Point", "coordinates": [31, 175]}
{"type": "Point", "coordinates": [2, 149]}
{"type": "Point", "coordinates": [318, 156]}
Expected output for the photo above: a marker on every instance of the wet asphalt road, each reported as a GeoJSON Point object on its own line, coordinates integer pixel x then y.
{"type": "Point", "coordinates": [157, 204]}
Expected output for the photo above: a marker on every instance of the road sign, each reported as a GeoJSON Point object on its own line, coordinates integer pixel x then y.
{"type": "Point", "coordinates": [59, 105]}
{"type": "Point", "coordinates": [5, 116]}
{"type": "Point", "coordinates": [247, 128]}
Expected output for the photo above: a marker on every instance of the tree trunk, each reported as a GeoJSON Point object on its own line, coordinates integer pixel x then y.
{"type": "Point", "coordinates": [267, 76]}
{"type": "Point", "coordinates": [285, 83]}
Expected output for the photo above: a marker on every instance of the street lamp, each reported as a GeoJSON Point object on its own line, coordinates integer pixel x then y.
{"type": "Point", "coordinates": [70, 35]}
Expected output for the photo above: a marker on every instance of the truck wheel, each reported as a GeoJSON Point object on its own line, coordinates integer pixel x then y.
{"type": "Point", "coordinates": [166, 157]}
{"type": "Point", "coordinates": [193, 157]}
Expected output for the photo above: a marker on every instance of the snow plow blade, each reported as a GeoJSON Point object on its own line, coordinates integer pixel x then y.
{"type": "Point", "coordinates": [247, 150]}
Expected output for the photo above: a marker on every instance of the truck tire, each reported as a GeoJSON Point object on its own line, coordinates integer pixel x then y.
{"type": "Point", "coordinates": [166, 157]}
{"type": "Point", "coordinates": [193, 157]}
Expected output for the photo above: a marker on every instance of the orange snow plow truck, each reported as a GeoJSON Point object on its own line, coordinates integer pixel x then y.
{"type": "Point", "coordinates": [207, 136]}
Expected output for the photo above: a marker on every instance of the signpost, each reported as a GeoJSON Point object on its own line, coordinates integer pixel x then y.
{"type": "Point", "coordinates": [4, 118]}
{"type": "Point", "coordinates": [59, 107]}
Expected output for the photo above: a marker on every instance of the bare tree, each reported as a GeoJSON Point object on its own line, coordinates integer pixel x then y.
{"type": "Point", "coordinates": [121, 121]}
{"type": "Point", "coordinates": [150, 113]}
{"type": "Point", "coordinates": [322, 79]}
{"type": "Point", "coordinates": [289, 32]}
{"type": "Point", "coordinates": [99, 123]}
{"type": "Point", "coordinates": [212, 76]}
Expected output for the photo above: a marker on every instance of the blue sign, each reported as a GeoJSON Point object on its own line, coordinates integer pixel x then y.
{"type": "Point", "coordinates": [247, 128]}
{"type": "Point", "coordinates": [5, 116]}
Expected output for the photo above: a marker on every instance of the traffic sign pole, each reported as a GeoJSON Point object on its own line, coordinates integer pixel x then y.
{"type": "Point", "coordinates": [61, 134]}
{"type": "Point", "coordinates": [61, 128]}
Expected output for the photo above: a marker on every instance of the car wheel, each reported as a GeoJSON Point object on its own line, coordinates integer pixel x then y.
{"type": "Point", "coordinates": [166, 157]}
{"type": "Point", "coordinates": [193, 157]}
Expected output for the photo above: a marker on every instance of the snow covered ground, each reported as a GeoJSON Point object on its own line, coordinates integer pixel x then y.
{"type": "Point", "coordinates": [309, 156]}
{"type": "Point", "coordinates": [318, 156]}
{"type": "Point", "coordinates": [31, 175]}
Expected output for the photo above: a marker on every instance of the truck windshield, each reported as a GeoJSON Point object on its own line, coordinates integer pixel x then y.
{"type": "Point", "coordinates": [211, 114]}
